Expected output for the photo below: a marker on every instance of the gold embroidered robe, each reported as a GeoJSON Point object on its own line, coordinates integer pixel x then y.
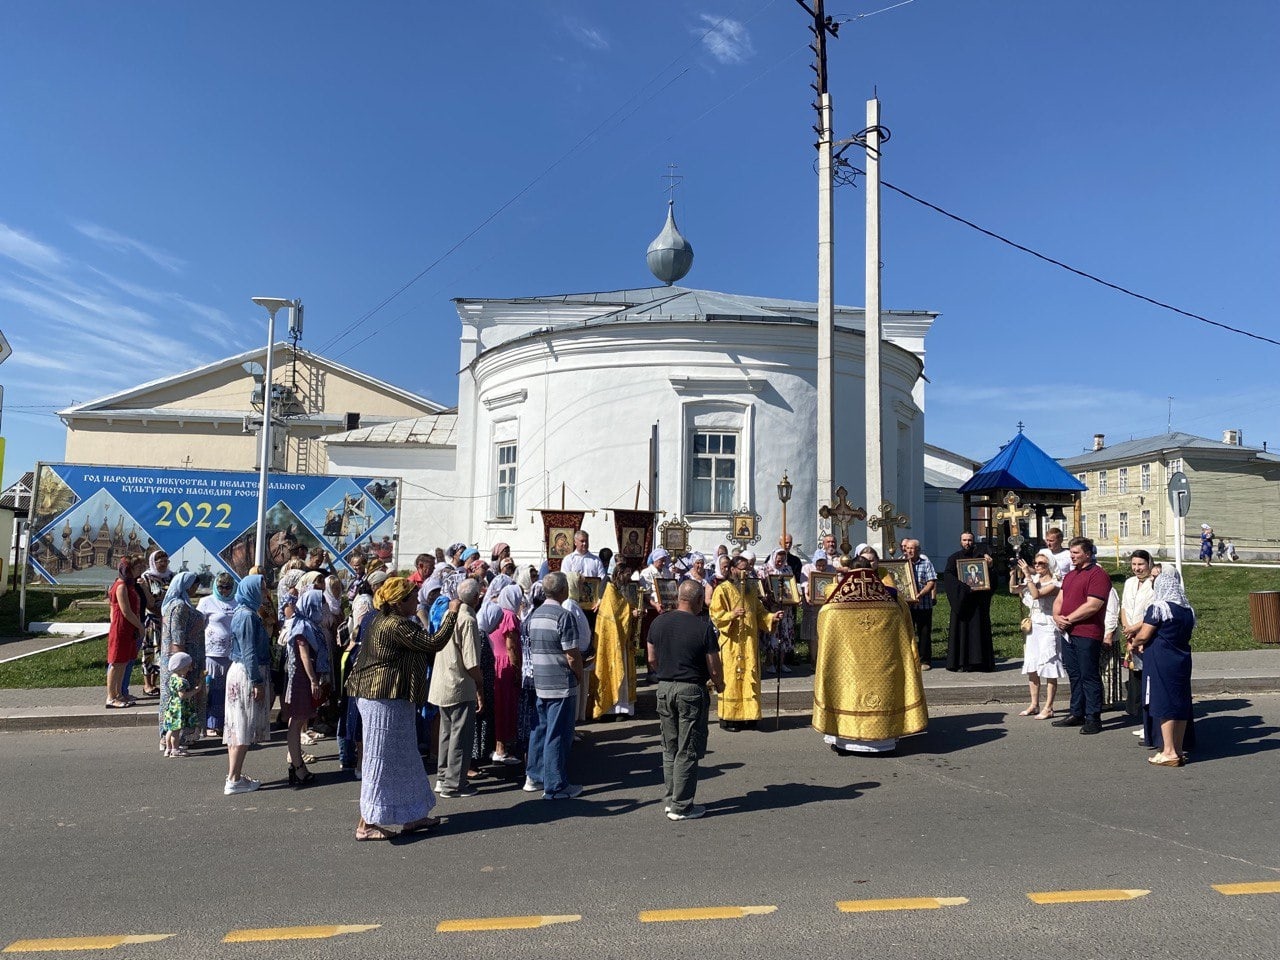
{"type": "Point", "coordinates": [739, 647]}
{"type": "Point", "coordinates": [614, 680]}
{"type": "Point", "coordinates": [867, 684]}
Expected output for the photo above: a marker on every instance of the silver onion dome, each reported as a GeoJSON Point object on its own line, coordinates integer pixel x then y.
{"type": "Point", "coordinates": [670, 255]}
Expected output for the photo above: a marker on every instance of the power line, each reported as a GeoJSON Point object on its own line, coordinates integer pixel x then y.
{"type": "Point", "coordinates": [1065, 266]}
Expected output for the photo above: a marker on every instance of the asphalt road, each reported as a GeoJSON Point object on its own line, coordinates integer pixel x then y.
{"type": "Point", "coordinates": [102, 836]}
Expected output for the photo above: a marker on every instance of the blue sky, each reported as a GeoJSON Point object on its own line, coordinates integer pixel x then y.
{"type": "Point", "coordinates": [165, 162]}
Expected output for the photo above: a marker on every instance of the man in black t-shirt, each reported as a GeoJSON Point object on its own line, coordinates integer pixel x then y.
{"type": "Point", "coordinates": [683, 655]}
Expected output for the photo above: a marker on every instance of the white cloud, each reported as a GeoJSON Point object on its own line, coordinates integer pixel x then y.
{"type": "Point", "coordinates": [28, 251]}
{"type": "Point", "coordinates": [108, 238]}
{"type": "Point", "coordinates": [589, 37]}
{"type": "Point", "coordinates": [727, 40]}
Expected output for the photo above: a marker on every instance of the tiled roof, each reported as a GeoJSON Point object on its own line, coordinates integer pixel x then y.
{"type": "Point", "coordinates": [1021, 465]}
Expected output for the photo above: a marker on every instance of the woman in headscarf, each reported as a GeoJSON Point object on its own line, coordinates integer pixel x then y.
{"type": "Point", "coordinates": [125, 630]}
{"type": "Point", "coordinates": [613, 682]}
{"type": "Point", "coordinates": [781, 640]}
{"type": "Point", "coordinates": [350, 732]}
{"type": "Point", "coordinates": [181, 631]}
{"type": "Point", "coordinates": [501, 551]}
{"type": "Point", "coordinates": [698, 572]}
{"type": "Point", "coordinates": [217, 609]}
{"type": "Point", "coordinates": [1165, 643]}
{"type": "Point", "coordinates": [248, 684]}
{"type": "Point", "coordinates": [389, 682]}
{"type": "Point", "coordinates": [154, 583]}
{"type": "Point", "coordinates": [307, 672]}
{"type": "Point", "coordinates": [527, 712]}
{"type": "Point", "coordinates": [504, 639]}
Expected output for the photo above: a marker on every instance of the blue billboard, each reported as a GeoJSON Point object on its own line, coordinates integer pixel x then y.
{"type": "Point", "coordinates": [86, 518]}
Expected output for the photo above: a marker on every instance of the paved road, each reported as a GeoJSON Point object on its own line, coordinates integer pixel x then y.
{"type": "Point", "coordinates": [103, 836]}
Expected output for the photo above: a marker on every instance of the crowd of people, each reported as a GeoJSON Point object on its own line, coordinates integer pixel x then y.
{"type": "Point", "coordinates": [473, 664]}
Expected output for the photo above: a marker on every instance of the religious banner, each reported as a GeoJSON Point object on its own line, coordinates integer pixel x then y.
{"type": "Point", "coordinates": [558, 527]}
{"type": "Point", "coordinates": [86, 519]}
{"type": "Point", "coordinates": [635, 535]}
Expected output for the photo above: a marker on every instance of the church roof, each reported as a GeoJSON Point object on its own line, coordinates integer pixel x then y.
{"type": "Point", "coordinates": [433, 430]}
{"type": "Point", "coordinates": [1021, 465]}
{"type": "Point", "coordinates": [1176, 443]}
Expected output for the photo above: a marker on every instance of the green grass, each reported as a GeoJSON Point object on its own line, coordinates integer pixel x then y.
{"type": "Point", "coordinates": [1220, 595]}
{"type": "Point", "coordinates": [44, 603]}
{"type": "Point", "coordinates": [79, 665]}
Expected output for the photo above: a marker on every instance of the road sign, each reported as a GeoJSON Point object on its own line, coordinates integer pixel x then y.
{"type": "Point", "coordinates": [1180, 494]}
{"type": "Point", "coordinates": [5, 349]}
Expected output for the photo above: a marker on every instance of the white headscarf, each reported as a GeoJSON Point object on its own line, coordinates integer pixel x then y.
{"type": "Point", "coordinates": [1168, 590]}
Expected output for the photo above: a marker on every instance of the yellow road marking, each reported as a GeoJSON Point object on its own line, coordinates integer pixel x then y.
{"type": "Point", "coordinates": [1236, 889]}
{"type": "Point", "coordinates": [263, 934]}
{"type": "Point", "coordinates": [703, 913]}
{"type": "Point", "coordinates": [505, 923]}
{"type": "Point", "coordinates": [1085, 896]}
{"type": "Point", "coordinates": [82, 943]}
{"type": "Point", "coordinates": [899, 903]}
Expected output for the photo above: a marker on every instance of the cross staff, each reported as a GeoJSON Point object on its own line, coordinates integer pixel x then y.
{"type": "Point", "coordinates": [1013, 512]}
{"type": "Point", "coordinates": [842, 513]}
{"type": "Point", "coordinates": [888, 525]}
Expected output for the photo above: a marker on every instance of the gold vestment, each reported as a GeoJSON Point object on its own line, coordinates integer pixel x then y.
{"type": "Point", "coordinates": [739, 647]}
{"type": "Point", "coordinates": [615, 653]}
{"type": "Point", "coordinates": [867, 683]}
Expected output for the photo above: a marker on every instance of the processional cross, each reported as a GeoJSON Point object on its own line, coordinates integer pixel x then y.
{"type": "Point", "coordinates": [888, 525]}
{"type": "Point", "coordinates": [1014, 512]}
{"type": "Point", "coordinates": [842, 513]}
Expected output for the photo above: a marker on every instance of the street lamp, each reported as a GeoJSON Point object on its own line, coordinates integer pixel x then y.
{"type": "Point", "coordinates": [784, 494]}
{"type": "Point", "coordinates": [272, 305]}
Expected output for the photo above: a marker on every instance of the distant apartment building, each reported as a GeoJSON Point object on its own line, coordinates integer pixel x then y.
{"type": "Point", "coordinates": [1234, 488]}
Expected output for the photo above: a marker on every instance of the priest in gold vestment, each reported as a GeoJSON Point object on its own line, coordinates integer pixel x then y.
{"type": "Point", "coordinates": [867, 688]}
{"type": "Point", "coordinates": [613, 685]}
{"type": "Point", "coordinates": [739, 616]}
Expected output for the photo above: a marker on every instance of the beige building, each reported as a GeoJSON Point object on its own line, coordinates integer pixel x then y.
{"type": "Point", "coordinates": [1234, 488]}
{"type": "Point", "coordinates": [208, 417]}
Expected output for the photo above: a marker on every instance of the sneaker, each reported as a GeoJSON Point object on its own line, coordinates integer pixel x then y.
{"type": "Point", "coordinates": [459, 793]}
{"type": "Point", "coordinates": [243, 785]}
{"type": "Point", "coordinates": [531, 785]}
{"type": "Point", "coordinates": [1137, 733]}
{"type": "Point", "coordinates": [693, 813]}
{"type": "Point", "coordinates": [570, 791]}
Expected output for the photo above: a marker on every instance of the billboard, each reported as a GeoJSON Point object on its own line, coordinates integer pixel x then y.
{"type": "Point", "coordinates": [86, 518]}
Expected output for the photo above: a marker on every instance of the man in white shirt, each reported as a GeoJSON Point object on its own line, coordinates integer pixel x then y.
{"type": "Point", "coordinates": [582, 560]}
{"type": "Point", "coordinates": [1061, 555]}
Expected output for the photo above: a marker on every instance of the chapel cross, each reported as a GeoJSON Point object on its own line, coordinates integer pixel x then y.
{"type": "Point", "coordinates": [887, 523]}
{"type": "Point", "coordinates": [1012, 513]}
{"type": "Point", "coordinates": [842, 513]}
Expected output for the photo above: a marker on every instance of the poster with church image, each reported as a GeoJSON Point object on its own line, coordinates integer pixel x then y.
{"type": "Point", "coordinates": [87, 518]}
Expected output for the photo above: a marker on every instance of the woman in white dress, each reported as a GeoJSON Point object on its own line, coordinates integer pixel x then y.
{"type": "Point", "coordinates": [1042, 650]}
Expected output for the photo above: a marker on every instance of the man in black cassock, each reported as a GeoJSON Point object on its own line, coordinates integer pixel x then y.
{"type": "Point", "coordinates": [969, 641]}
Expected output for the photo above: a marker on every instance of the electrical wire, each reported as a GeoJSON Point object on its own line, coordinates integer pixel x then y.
{"type": "Point", "coordinates": [1066, 266]}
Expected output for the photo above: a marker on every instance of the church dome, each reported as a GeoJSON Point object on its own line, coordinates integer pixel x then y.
{"type": "Point", "coordinates": [670, 255]}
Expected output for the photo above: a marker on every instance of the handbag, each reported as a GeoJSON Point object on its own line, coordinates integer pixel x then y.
{"type": "Point", "coordinates": [1026, 626]}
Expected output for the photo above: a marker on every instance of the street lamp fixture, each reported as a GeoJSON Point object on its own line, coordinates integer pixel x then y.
{"type": "Point", "coordinates": [784, 494]}
{"type": "Point", "coordinates": [272, 305]}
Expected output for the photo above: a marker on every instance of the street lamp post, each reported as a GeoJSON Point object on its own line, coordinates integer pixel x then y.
{"type": "Point", "coordinates": [272, 305]}
{"type": "Point", "coordinates": [784, 494]}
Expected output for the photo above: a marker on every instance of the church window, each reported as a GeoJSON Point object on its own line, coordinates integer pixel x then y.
{"type": "Point", "coordinates": [1123, 481]}
{"type": "Point", "coordinates": [1146, 523]}
{"type": "Point", "coordinates": [506, 481]}
{"type": "Point", "coordinates": [1146, 477]}
{"type": "Point", "coordinates": [1102, 526]}
{"type": "Point", "coordinates": [713, 480]}
{"type": "Point", "coordinates": [1124, 525]}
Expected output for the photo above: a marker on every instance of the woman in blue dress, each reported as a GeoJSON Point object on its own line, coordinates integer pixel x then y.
{"type": "Point", "coordinates": [1165, 642]}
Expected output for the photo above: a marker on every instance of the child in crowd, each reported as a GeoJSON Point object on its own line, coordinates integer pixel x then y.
{"type": "Point", "coordinates": [180, 711]}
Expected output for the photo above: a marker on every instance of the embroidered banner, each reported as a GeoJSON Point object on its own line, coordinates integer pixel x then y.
{"type": "Point", "coordinates": [558, 527]}
{"type": "Point", "coordinates": [635, 535]}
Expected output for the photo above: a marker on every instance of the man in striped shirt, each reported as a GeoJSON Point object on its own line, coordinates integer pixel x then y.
{"type": "Point", "coordinates": [557, 675]}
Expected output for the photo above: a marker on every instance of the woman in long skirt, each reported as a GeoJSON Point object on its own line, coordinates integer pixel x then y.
{"type": "Point", "coordinates": [248, 685]}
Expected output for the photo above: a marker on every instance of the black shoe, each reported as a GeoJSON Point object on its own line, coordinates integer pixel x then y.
{"type": "Point", "coordinates": [1091, 726]}
{"type": "Point", "coordinates": [1070, 720]}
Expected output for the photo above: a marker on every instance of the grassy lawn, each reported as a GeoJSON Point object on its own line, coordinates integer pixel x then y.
{"type": "Point", "coordinates": [44, 603]}
{"type": "Point", "coordinates": [79, 665]}
{"type": "Point", "coordinates": [1220, 595]}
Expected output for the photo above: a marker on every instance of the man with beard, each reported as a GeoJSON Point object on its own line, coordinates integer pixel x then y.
{"type": "Point", "coordinates": [969, 641]}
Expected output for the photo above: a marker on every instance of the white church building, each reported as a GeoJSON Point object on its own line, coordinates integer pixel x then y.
{"type": "Point", "coordinates": [699, 400]}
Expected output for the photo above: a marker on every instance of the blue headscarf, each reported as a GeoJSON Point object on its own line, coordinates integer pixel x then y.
{"type": "Point", "coordinates": [308, 612]}
{"type": "Point", "coordinates": [249, 593]}
{"type": "Point", "coordinates": [179, 589]}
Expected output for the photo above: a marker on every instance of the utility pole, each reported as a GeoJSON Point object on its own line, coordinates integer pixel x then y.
{"type": "Point", "coordinates": [826, 373]}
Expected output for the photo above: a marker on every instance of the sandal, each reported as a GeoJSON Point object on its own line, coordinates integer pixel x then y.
{"type": "Point", "coordinates": [1045, 714]}
{"type": "Point", "coordinates": [421, 826]}
{"type": "Point", "coordinates": [1034, 708]}
{"type": "Point", "coordinates": [373, 832]}
{"type": "Point", "coordinates": [118, 704]}
{"type": "Point", "coordinates": [1161, 761]}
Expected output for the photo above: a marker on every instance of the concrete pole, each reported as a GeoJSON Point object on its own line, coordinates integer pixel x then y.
{"type": "Point", "coordinates": [875, 434]}
{"type": "Point", "coordinates": [264, 466]}
{"type": "Point", "coordinates": [826, 313]}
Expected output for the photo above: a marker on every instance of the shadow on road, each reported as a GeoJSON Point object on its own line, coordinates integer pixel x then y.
{"type": "Point", "coordinates": [955, 733]}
